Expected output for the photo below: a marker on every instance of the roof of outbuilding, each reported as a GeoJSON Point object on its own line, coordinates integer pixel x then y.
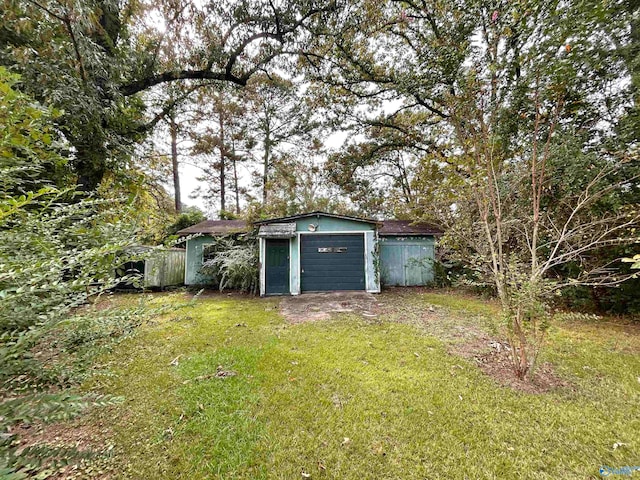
{"type": "Point", "coordinates": [313, 214]}
{"type": "Point", "coordinates": [408, 227]}
{"type": "Point", "coordinates": [216, 227]}
{"type": "Point", "coordinates": [386, 227]}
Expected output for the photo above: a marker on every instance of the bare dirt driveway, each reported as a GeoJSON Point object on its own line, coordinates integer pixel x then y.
{"type": "Point", "coordinates": [319, 306]}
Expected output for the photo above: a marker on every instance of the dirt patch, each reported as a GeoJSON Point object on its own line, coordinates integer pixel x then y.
{"type": "Point", "coordinates": [441, 322]}
{"type": "Point", "coordinates": [471, 336]}
{"type": "Point", "coordinates": [311, 307]}
{"type": "Point", "coordinates": [466, 334]}
{"type": "Point", "coordinates": [494, 359]}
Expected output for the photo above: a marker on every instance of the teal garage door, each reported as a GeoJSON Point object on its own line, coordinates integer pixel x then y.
{"type": "Point", "coordinates": [331, 262]}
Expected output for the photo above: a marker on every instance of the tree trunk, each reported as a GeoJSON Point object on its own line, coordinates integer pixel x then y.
{"type": "Point", "coordinates": [174, 162]}
{"type": "Point", "coordinates": [235, 181]}
{"type": "Point", "coordinates": [266, 161]}
{"type": "Point", "coordinates": [90, 161]}
{"type": "Point", "coordinates": [222, 165]}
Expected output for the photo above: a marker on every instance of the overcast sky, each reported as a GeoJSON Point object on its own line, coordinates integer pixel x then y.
{"type": "Point", "coordinates": [189, 173]}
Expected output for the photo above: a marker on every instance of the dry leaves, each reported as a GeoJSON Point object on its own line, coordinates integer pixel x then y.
{"type": "Point", "coordinates": [220, 373]}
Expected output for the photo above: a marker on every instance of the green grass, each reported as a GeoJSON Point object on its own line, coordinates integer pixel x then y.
{"type": "Point", "coordinates": [407, 407]}
{"type": "Point", "coordinates": [458, 302]}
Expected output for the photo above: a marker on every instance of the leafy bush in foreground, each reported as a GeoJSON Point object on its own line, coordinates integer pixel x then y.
{"type": "Point", "coordinates": [57, 251]}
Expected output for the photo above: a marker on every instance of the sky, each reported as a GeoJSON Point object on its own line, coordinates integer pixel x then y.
{"type": "Point", "coordinates": [188, 184]}
{"type": "Point", "coordinates": [189, 173]}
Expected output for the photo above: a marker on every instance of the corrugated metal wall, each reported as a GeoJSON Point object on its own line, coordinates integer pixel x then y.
{"type": "Point", "coordinates": [406, 261]}
{"type": "Point", "coordinates": [165, 268]}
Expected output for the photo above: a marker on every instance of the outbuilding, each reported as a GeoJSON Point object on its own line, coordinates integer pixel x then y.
{"type": "Point", "coordinates": [321, 252]}
{"type": "Point", "coordinates": [154, 267]}
{"type": "Point", "coordinates": [317, 252]}
{"type": "Point", "coordinates": [407, 252]}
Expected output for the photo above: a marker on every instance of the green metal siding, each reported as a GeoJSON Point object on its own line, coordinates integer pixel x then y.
{"type": "Point", "coordinates": [193, 261]}
{"type": "Point", "coordinates": [322, 225]}
{"type": "Point", "coordinates": [342, 267]}
{"type": "Point", "coordinates": [406, 261]}
{"type": "Point", "coordinates": [329, 224]}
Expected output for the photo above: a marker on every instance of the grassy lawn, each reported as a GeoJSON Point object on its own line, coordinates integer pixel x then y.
{"type": "Point", "coordinates": [356, 398]}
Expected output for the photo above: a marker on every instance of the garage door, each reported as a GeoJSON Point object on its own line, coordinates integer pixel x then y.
{"type": "Point", "coordinates": [331, 262]}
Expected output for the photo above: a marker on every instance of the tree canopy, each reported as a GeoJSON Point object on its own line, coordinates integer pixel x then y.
{"type": "Point", "coordinates": [94, 59]}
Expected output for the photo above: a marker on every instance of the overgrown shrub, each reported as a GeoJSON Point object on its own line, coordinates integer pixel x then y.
{"type": "Point", "coordinates": [54, 259]}
{"type": "Point", "coordinates": [234, 263]}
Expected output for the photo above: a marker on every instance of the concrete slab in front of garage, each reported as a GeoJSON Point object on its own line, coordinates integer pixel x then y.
{"type": "Point", "coordinates": [319, 306]}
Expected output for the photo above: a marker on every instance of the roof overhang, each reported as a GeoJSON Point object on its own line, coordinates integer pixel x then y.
{"type": "Point", "coordinates": [410, 234]}
{"type": "Point", "coordinates": [217, 228]}
{"type": "Point", "coordinates": [316, 214]}
{"type": "Point", "coordinates": [277, 230]}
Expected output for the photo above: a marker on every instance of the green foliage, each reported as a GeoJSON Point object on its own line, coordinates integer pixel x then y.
{"type": "Point", "coordinates": [634, 261]}
{"type": "Point", "coordinates": [271, 128]}
{"type": "Point", "coordinates": [189, 217]}
{"type": "Point", "coordinates": [53, 252]}
{"type": "Point", "coordinates": [382, 175]}
{"type": "Point", "coordinates": [473, 106]}
{"type": "Point", "coordinates": [281, 125]}
{"type": "Point", "coordinates": [619, 300]}
{"type": "Point", "coordinates": [233, 263]}
{"type": "Point", "coordinates": [86, 331]}
{"type": "Point", "coordinates": [376, 262]}
{"type": "Point", "coordinates": [227, 215]}
{"type": "Point", "coordinates": [55, 256]}
{"type": "Point", "coordinates": [30, 461]}
{"type": "Point", "coordinates": [30, 144]}
{"type": "Point", "coordinates": [92, 59]}
{"type": "Point", "coordinates": [442, 273]}
{"type": "Point", "coordinates": [520, 157]}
